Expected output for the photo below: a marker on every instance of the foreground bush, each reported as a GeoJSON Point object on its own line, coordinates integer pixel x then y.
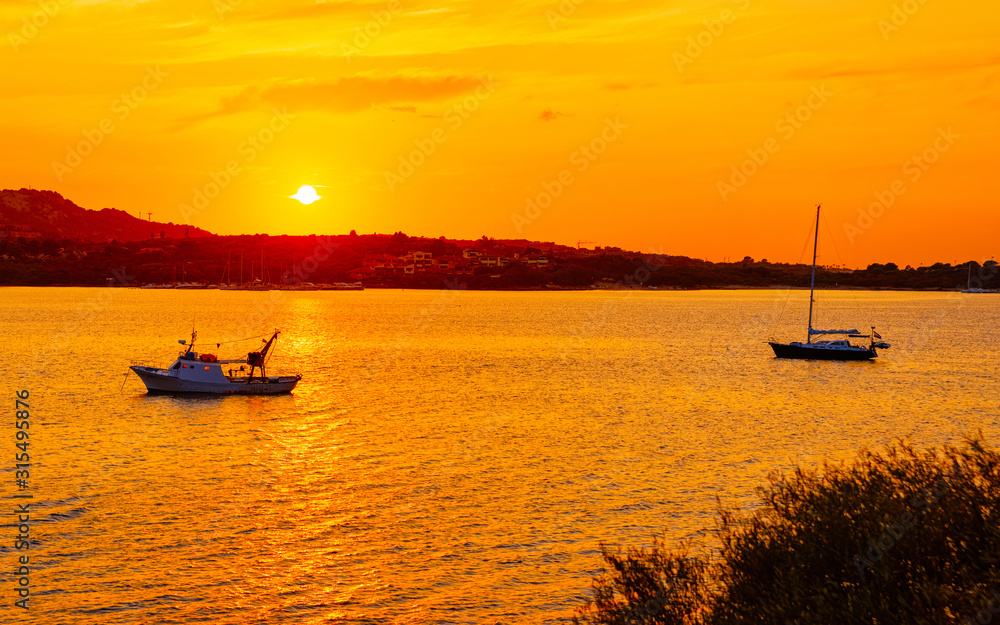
{"type": "Point", "coordinates": [895, 538]}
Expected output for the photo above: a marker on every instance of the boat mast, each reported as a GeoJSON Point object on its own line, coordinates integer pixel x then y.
{"type": "Point", "coordinates": [812, 283]}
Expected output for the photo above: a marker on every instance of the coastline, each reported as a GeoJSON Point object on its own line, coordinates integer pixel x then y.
{"type": "Point", "coordinates": [554, 288]}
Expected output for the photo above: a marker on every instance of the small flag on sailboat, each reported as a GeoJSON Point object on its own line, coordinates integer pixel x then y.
{"type": "Point", "coordinates": [876, 334]}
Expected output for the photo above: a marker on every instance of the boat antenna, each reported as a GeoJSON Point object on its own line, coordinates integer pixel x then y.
{"type": "Point", "coordinates": [812, 283]}
{"type": "Point", "coordinates": [194, 334]}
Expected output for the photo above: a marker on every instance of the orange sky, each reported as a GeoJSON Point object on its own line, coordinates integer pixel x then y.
{"type": "Point", "coordinates": [156, 99]}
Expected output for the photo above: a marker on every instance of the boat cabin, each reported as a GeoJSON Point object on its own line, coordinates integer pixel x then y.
{"type": "Point", "coordinates": [206, 368]}
{"type": "Point", "coordinates": [839, 344]}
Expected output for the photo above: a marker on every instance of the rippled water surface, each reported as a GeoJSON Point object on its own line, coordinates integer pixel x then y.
{"type": "Point", "coordinates": [449, 456]}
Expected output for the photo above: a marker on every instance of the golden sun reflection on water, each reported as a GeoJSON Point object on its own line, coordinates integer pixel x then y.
{"type": "Point", "coordinates": [461, 465]}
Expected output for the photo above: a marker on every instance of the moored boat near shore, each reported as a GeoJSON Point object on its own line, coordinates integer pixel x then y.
{"type": "Point", "coordinates": [343, 286]}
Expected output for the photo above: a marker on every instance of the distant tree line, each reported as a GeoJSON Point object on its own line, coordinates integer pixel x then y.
{"type": "Point", "coordinates": [322, 259]}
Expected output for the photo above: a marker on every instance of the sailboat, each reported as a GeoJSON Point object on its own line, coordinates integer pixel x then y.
{"type": "Point", "coordinates": [969, 288]}
{"type": "Point", "coordinates": [840, 349]}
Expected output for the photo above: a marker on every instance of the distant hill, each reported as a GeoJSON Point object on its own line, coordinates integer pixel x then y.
{"type": "Point", "coordinates": [47, 215]}
{"type": "Point", "coordinates": [46, 239]}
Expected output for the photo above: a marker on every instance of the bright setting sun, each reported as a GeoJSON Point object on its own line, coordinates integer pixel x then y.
{"type": "Point", "coordinates": [306, 194]}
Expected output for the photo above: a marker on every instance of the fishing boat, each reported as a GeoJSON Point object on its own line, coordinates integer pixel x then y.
{"type": "Point", "coordinates": [841, 349]}
{"type": "Point", "coordinates": [207, 374]}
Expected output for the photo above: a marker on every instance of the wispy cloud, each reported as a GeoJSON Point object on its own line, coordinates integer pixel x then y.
{"type": "Point", "coordinates": [348, 94]}
{"type": "Point", "coordinates": [441, 10]}
{"type": "Point", "coordinates": [623, 86]}
{"type": "Point", "coordinates": [310, 10]}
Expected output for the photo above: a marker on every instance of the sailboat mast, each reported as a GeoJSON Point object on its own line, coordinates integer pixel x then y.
{"type": "Point", "coordinates": [812, 283]}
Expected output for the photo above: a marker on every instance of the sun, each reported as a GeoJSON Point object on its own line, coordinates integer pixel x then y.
{"type": "Point", "coordinates": [306, 194]}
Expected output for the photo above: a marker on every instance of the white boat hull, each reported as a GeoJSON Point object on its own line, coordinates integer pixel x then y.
{"type": "Point", "coordinates": [161, 381]}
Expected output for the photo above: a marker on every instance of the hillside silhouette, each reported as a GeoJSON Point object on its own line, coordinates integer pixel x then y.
{"type": "Point", "coordinates": [47, 240]}
{"type": "Point", "coordinates": [31, 213]}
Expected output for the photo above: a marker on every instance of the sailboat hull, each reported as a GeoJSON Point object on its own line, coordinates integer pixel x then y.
{"type": "Point", "coordinates": [819, 351]}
